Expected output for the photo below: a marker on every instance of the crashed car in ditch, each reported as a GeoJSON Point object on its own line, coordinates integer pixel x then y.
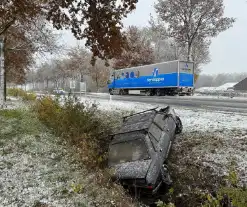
{"type": "Point", "coordinates": [139, 150]}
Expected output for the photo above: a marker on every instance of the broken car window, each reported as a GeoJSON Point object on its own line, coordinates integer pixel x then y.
{"type": "Point", "coordinates": [128, 152]}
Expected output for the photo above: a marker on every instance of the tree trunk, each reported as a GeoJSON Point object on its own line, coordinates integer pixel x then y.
{"type": "Point", "coordinates": [5, 72]}
{"type": "Point", "coordinates": [189, 52]}
{"type": "Point", "coordinates": [97, 82]}
{"type": "Point", "coordinates": [5, 85]}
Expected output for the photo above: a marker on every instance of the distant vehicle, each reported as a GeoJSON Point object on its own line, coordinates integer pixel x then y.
{"type": "Point", "coordinates": [59, 91]}
{"type": "Point", "coordinates": [166, 78]}
{"type": "Point", "coordinates": [139, 151]}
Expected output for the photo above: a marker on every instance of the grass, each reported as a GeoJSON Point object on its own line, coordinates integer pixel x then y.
{"type": "Point", "coordinates": [17, 92]}
{"type": "Point", "coordinates": [11, 113]}
{"type": "Point", "coordinates": [196, 184]}
{"type": "Point", "coordinates": [36, 156]}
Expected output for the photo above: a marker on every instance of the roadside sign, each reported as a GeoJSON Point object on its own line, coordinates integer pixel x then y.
{"type": "Point", "coordinates": [83, 87]}
{"type": "Point", "coordinates": [72, 84]}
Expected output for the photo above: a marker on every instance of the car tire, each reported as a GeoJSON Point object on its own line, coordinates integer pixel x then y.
{"type": "Point", "coordinates": [179, 125]}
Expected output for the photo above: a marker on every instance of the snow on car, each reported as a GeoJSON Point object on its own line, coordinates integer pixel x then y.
{"type": "Point", "coordinates": [139, 150]}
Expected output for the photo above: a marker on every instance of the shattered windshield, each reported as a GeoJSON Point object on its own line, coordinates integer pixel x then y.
{"type": "Point", "coordinates": [128, 152]}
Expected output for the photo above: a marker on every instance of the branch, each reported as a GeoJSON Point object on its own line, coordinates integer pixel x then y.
{"type": "Point", "coordinates": [7, 26]}
{"type": "Point", "coordinates": [18, 47]}
{"type": "Point", "coordinates": [196, 30]}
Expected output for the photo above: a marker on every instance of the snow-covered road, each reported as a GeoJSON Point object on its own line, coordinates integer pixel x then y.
{"type": "Point", "coordinates": [193, 119]}
{"type": "Point", "coordinates": [194, 102]}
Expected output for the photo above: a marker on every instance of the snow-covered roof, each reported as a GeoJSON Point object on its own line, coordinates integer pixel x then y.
{"type": "Point", "coordinates": [223, 87]}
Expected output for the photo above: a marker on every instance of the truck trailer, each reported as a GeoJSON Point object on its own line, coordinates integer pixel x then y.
{"type": "Point", "coordinates": [166, 78]}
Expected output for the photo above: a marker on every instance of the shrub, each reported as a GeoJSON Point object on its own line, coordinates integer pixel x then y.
{"type": "Point", "coordinates": [82, 125]}
{"type": "Point", "coordinates": [29, 97]}
{"type": "Point", "coordinates": [10, 114]}
{"type": "Point", "coordinates": [16, 92]}
{"type": "Point", "coordinates": [229, 194]}
{"type": "Point", "coordinates": [47, 109]}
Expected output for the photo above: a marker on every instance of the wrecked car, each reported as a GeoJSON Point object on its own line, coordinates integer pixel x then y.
{"type": "Point", "coordinates": [139, 150]}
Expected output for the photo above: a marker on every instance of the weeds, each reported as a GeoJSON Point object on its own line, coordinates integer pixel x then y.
{"type": "Point", "coordinates": [230, 194]}
{"type": "Point", "coordinates": [82, 125]}
{"type": "Point", "coordinates": [162, 204]}
{"type": "Point", "coordinates": [17, 92]}
{"type": "Point", "coordinates": [58, 165]}
{"type": "Point", "coordinates": [11, 114]}
{"type": "Point", "coordinates": [77, 188]}
{"type": "Point", "coordinates": [29, 97]}
{"type": "Point", "coordinates": [17, 122]}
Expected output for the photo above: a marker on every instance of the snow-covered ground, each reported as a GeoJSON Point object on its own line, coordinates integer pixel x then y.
{"type": "Point", "coordinates": [224, 91]}
{"type": "Point", "coordinates": [222, 136]}
{"type": "Point", "coordinates": [221, 88]}
{"type": "Point", "coordinates": [38, 170]}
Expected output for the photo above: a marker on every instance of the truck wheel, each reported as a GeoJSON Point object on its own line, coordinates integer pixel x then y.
{"type": "Point", "coordinates": [110, 92]}
{"type": "Point", "coordinates": [121, 92]}
{"type": "Point", "coordinates": [179, 125]}
{"type": "Point", "coordinates": [148, 93]}
{"type": "Point", "coordinates": [158, 92]}
{"type": "Point", "coordinates": [126, 92]}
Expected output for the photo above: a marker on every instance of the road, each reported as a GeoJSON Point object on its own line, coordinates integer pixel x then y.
{"type": "Point", "coordinates": [228, 105]}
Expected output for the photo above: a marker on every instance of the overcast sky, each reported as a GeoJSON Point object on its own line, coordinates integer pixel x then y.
{"type": "Point", "coordinates": [228, 50]}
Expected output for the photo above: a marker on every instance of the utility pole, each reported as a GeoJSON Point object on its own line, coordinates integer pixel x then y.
{"type": "Point", "coordinates": [2, 99]}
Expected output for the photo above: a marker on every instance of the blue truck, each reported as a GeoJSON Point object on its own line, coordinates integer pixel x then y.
{"type": "Point", "coordinates": [166, 78]}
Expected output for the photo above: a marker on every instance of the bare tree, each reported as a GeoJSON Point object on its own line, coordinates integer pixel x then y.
{"type": "Point", "coordinates": [167, 49]}
{"type": "Point", "coordinates": [79, 60]}
{"type": "Point", "coordinates": [100, 74]}
{"type": "Point", "coordinates": [164, 47]}
{"type": "Point", "coordinates": [138, 50]}
{"type": "Point", "coordinates": [193, 20]}
{"type": "Point", "coordinates": [22, 44]}
{"type": "Point", "coordinates": [200, 54]}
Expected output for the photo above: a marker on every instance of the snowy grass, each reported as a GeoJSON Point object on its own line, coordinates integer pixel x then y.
{"type": "Point", "coordinates": [38, 168]}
